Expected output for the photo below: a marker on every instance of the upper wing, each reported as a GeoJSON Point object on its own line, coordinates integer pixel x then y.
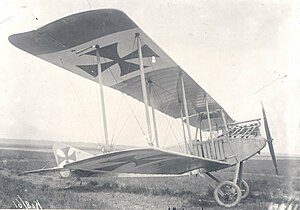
{"type": "Point", "coordinates": [61, 43]}
{"type": "Point", "coordinates": [200, 120]}
{"type": "Point", "coordinates": [145, 161]}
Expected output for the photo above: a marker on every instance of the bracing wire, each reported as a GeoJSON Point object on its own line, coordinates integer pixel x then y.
{"type": "Point", "coordinates": [168, 121]}
{"type": "Point", "coordinates": [171, 129]}
{"type": "Point", "coordinates": [89, 3]}
{"type": "Point", "coordinates": [132, 113]}
{"type": "Point", "coordinates": [116, 81]}
{"type": "Point", "coordinates": [160, 101]}
{"type": "Point", "coordinates": [164, 89]}
{"type": "Point", "coordinates": [164, 117]}
{"type": "Point", "coordinates": [81, 105]}
{"type": "Point", "coordinates": [117, 117]}
{"type": "Point", "coordinates": [166, 136]}
{"type": "Point", "coordinates": [125, 122]}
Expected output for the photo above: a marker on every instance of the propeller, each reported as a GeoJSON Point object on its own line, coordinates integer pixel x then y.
{"type": "Point", "coordinates": [269, 139]}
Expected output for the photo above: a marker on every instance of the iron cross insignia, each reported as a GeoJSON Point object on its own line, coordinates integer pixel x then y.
{"type": "Point", "coordinates": [67, 156]}
{"type": "Point", "coordinates": [111, 52]}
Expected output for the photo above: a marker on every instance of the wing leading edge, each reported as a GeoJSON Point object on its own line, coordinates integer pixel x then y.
{"type": "Point", "coordinates": [61, 43]}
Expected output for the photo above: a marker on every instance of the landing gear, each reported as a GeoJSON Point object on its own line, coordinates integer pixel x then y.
{"type": "Point", "coordinates": [244, 189]}
{"type": "Point", "coordinates": [230, 193]}
{"type": "Point", "coordinates": [227, 194]}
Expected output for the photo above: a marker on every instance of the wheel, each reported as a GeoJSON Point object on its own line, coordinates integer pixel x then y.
{"type": "Point", "coordinates": [244, 189]}
{"type": "Point", "coordinates": [227, 194]}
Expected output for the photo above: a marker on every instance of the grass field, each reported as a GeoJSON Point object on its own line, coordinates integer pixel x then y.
{"type": "Point", "coordinates": [140, 193]}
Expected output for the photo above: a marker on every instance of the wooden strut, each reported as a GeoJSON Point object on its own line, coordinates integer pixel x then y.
{"type": "Point", "coordinates": [153, 114]}
{"type": "Point", "coordinates": [144, 88]}
{"type": "Point", "coordinates": [200, 127]}
{"type": "Point", "coordinates": [239, 181]}
{"type": "Point", "coordinates": [184, 135]}
{"type": "Point", "coordinates": [224, 120]}
{"type": "Point", "coordinates": [210, 129]}
{"type": "Point", "coordinates": [186, 115]}
{"type": "Point", "coordinates": [236, 172]}
{"type": "Point", "coordinates": [106, 148]}
{"type": "Point", "coordinates": [197, 127]}
{"type": "Point", "coordinates": [213, 177]}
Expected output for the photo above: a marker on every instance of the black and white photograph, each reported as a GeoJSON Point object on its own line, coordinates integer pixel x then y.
{"type": "Point", "coordinates": [136, 104]}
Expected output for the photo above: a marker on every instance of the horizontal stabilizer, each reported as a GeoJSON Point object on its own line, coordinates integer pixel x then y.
{"type": "Point", "coordinates": [54, 169]}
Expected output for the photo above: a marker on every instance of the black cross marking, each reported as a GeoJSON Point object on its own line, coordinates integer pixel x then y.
{"type": "Point", "coordinates": [111, 52]}
{"type": "Point", "coordinates": [67, 157]}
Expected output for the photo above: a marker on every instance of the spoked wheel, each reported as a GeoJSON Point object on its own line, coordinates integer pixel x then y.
{"type": "Point", "coordinates": [244, 189]}
{"type": "Point", "coordinates": [227, 194]}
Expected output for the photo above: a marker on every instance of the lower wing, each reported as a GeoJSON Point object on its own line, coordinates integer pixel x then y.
{"type": "Point", "coordinates": [146, 161]}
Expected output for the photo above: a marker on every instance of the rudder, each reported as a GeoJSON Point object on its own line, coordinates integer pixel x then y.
{"type": "Point", "coordinates": [65, 154]}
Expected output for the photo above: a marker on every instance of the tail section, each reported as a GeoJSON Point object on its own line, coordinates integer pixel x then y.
{"type": "Point", "coordinates": [65, 154]}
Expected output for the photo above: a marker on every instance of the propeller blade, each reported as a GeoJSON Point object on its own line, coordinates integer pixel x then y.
{"type": "Point", "coordinates": [269, 139]}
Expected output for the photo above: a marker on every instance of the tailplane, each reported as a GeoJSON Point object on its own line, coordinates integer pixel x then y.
{"type": "Point", "coordinates": [65, 154]}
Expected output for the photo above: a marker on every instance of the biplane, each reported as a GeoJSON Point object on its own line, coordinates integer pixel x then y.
{"type": "Point", "coordinates": [107, 47]}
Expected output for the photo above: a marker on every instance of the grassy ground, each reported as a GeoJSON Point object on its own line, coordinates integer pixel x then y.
{"type": "Point", "coordinates": [140, 193]}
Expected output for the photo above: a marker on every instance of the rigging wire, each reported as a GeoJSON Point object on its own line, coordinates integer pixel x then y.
{"type": "Point", "coordinates": [81, 105]}
{"type": "Point", "coordinates": [165, 116]}
{"type": "Point", "coordinates": [149, 142]}
{"type": "Point", "coordinates": [89, 4]}
{"type": "Point", "coordinates": [132, 113]}
{"type": "Point", "coordinates": [171, 128]}
{"type": "Point", "coordinates": [160, 102]}
{"type": "Point", "coordinates": [166, 136]}
{"type": "Point", "coordinates": [172, 94]}
{"type": "Point", "coordinates": [158, 80]}
{"type": "Point", "coordinates": [178, 128]}
{"type": "Point", "coordinates": [167, 119]}
{"type": "Point", "coordinates": [117, 117]}
{"type": "Point", "coordinates": [157, 95]}
{"type": "Point", "coordinates": [125, 122]}
{"type": "Point", "coordinates": [116, 81]}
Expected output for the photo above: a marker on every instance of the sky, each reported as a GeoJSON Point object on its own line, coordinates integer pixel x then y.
{"type": "Point", "coordinates": [231, 48]}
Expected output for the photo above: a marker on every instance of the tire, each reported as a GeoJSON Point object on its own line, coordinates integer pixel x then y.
{"type": "Point", "coordinates": [244, 189]}
{"type": "Point", "coordinates": [227, 194]}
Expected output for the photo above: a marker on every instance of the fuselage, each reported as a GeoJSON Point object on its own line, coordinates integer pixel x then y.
{"type": "Point", "coordinates": [230, 150]}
